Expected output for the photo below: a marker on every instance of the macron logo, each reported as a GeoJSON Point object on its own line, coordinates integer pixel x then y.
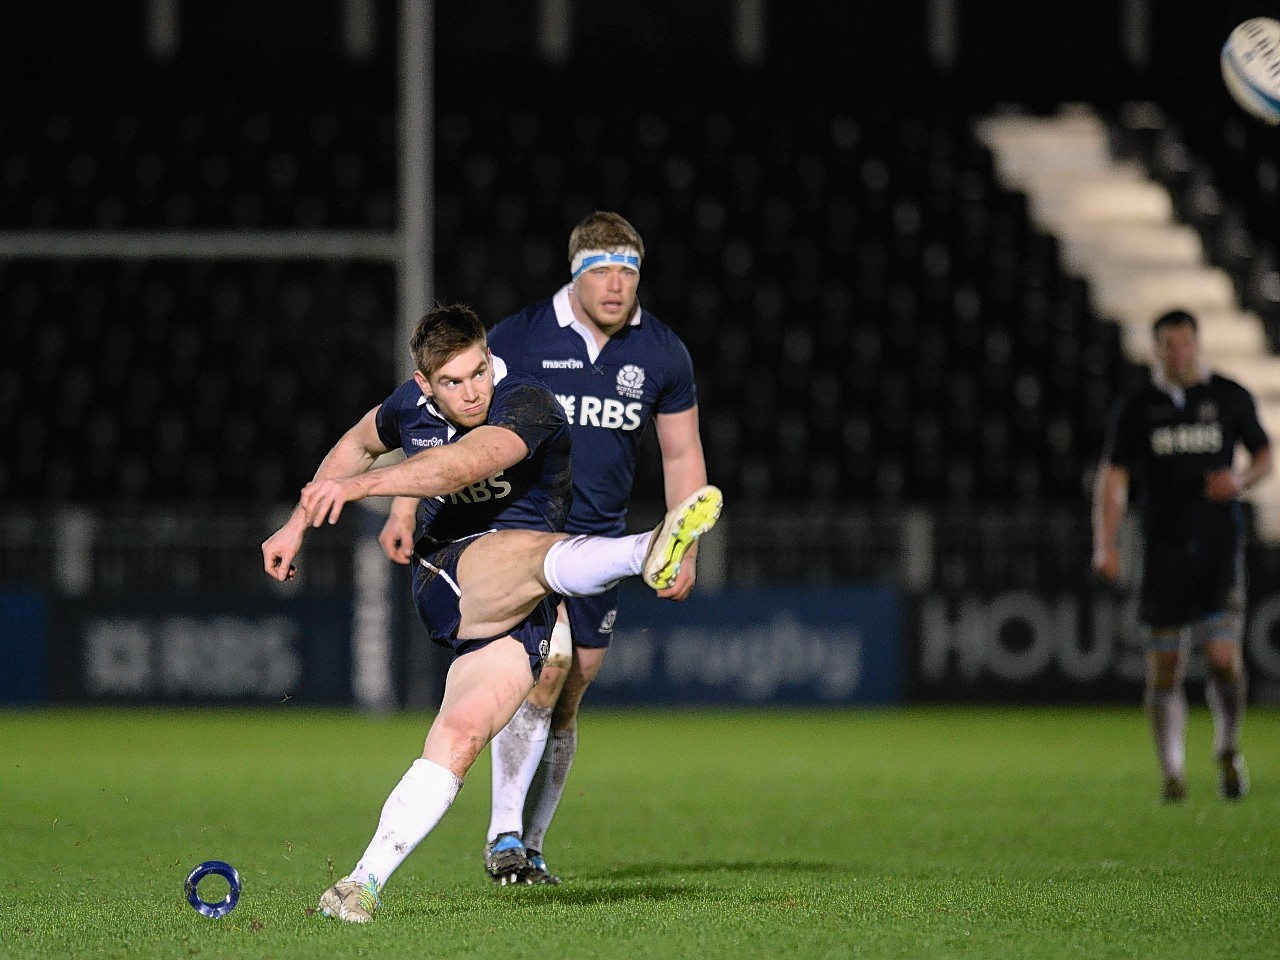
{"type": "Point", "coordinates": [562, 364]}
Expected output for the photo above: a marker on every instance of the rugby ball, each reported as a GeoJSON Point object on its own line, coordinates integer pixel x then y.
{"type": "Point", "coordinates": [1251, 68]}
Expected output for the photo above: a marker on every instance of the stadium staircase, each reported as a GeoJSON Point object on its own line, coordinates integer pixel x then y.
{"type": "Point", "coordinates": [1118, 229]}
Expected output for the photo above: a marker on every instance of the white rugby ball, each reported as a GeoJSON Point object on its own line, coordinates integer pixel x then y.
{"type": "Point", "coordinates": [1251, 67]}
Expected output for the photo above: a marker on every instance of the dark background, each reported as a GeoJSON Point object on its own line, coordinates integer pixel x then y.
{"type": "Point", "coordinates": [876, 325]}
{"type": "Point", "coordinates": [754, 183]}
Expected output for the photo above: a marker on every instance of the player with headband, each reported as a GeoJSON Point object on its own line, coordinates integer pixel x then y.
{"type": "Point", "coordinates": [614, 367]}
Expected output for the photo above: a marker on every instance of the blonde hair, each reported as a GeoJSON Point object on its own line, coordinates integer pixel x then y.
{"type": "Point", "coordinates": [604, 230]}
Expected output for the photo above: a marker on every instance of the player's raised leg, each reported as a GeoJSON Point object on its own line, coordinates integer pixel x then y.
{"type": "Point", "coordinates": [586, 565]}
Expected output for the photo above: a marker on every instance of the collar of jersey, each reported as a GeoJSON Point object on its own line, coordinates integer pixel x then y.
{"type": "Point", "coordinates": [1174, 392]}
{"type": "Point", "coordinates": [1161, 383]}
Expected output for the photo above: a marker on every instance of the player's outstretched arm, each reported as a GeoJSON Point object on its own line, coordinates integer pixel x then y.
{"type": "Point", "coordinates": [279, 551]}
{"type": "Point", "coordinates": [434, 472]}
{"type": "Point", "coordinates": [354, 453]}
{"type": "Point", "coordinates": [396, 538]}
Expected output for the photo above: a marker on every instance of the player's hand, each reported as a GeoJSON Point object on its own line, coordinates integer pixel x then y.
{"type": "Point", "coordinates": [279, 550]}
{"type": "Point", "coordinates": [1106, 562]}
{"type": "Point", "coordinates": [684, 581]}
{"type": "Point", "coordinates": [1222, 485]}
{"type": "Point", "coordinates": [396, 537]}
{"type": "Point", "coordinates": [323, 500]}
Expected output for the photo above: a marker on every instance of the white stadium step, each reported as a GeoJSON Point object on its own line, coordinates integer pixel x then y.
{"type": "Point", "coordinates": [1089, 247]}
{"type": "Point", "coordinates": [1139, 295]}
{"type": "Point", "coordinates": [1261, 374]}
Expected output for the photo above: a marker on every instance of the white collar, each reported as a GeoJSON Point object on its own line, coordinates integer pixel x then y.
{"type": "Point", "coordinates": [566, 319]}
{"type": "Point", "coordinates": [1174, 392]}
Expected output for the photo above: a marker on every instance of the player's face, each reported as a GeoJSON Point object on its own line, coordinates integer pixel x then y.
{"type": "Point", "coordinates": [607, 295]}
{"type": "Point", "coordinates": [462, 389]}
{"type": "Point", "coordinates": [1178, 350]}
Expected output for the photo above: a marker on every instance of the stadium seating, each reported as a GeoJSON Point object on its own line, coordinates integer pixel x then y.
{"type": "Point", "coordinates": [175, 381]}
{"type": "Point", "coordinates": [873, 315]}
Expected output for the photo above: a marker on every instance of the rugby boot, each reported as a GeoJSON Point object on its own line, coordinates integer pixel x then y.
{"type": "Point", "coordinates": [1175, 789]}
{"type": "Point", "coordinates": [505, 860]}
{"type": "Point", "coordinates": [678, 531]}
{"type": "Point", "coordinates": [1233, 775]}
{"type": "Point", "coordinates": [351, 901]}
{"type": "Point", "coordinates": [538, 872]}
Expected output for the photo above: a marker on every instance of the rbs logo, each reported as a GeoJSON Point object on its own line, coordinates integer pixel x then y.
{"type": "Point", "coordinates": [593, 412]}
{"type": "Point", "coordinates": [493, 488]}
{"type": "Point", "coordinates": [1187, 438]}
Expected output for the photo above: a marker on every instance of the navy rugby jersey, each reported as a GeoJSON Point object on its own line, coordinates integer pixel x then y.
{"type": "Point", "coordinates": [1170, 449]}
{"type": "Point", "coordinates": [609, 395]}
{"type": "Point", "coordinates": [534, 494]}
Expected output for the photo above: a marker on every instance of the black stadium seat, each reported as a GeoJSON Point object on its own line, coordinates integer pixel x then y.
{"type": "Point", "coordinates": [870, 314]}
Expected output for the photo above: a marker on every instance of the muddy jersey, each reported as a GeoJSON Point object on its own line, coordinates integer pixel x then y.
{"type": "Point", "coordinates": [534, 494]}
{"type": "Point", "coordinates": [1170, 447]}
{"type": "Point", "coordinates": [609, 395]}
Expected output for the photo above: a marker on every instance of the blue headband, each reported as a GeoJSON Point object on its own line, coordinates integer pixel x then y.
{"type": "Point", "coordinates": [594, 258]}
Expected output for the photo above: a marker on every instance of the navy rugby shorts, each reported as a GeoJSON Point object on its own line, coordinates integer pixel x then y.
{"type": "Point", "coordinates": [591, 619]}
{"type": "Point", "coordinates": [436, 593]}
{"type": "Point", "coordinates": [1186, 580]}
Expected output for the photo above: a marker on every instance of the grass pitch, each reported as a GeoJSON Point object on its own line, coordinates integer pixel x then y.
{"type": "Point", "coordinates": [957, 832]}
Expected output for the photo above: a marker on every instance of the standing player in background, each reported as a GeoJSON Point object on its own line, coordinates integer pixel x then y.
{"type": "Point", "coordinates": [491, 457]}
{"type": "Point", "coordinates": [613, 366]}
{"type": "Point", "coordinates": [1176, 437]}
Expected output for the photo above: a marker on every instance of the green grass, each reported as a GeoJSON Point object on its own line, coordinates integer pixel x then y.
{"type": "Point", "coordinates": [963, 832]}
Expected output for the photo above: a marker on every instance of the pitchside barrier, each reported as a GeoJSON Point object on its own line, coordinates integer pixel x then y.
{"type": "Point", "coordinates": [825, 607]}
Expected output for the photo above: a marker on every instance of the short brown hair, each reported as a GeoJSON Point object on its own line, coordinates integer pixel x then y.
{"type": "Point", "coordinates": [1174, 318]}
{"type": "Point", "coordinates": [603, 230]}
{"type": "Point", "coordinates": [442, 334]}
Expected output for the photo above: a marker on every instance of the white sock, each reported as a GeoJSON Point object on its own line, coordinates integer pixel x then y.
{"type": "Point", "coordinates": [1226, 700]}
{"type": "Point", "coordinates": [515, 753]}
{"type": "Point", "coordinates": [585, 566]}
{"type": "Point", "coordinates": [1168, 709]}
{"type": "Point", "coordinates": [414, 807]}
{"type": "Point", "coordinates": [548, 786]}
{"type": "Point", "coordinates": [560, 654]}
